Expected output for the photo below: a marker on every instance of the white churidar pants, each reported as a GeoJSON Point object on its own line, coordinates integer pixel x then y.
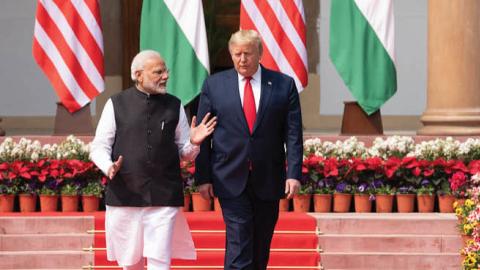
{"type": "Point", "coordinates": [156, 233]}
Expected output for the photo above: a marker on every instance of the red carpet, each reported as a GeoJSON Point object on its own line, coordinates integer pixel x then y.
{"type": "Point", "coordinates": [294, 243]}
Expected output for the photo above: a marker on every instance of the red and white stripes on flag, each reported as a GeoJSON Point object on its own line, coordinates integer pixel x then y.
{"type": "Point", "coordinates": [281, 23]}
{"type": "Point", "coordinates": [68, 47]}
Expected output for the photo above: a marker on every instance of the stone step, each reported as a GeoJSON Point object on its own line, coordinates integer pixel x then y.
{"type": "Point", "coordinates": [217, 240]}
{"type": "Point", "coordinates": [390, 243]}
{"type": "Point", "coordinates": [44, 259]}
{"type": "Point", "coordinates": [391, 223]}
{"type": "Point", "coordinates": [44, 242]}
{"type": "Point", "coordinates": [390, 261]}
{"type": "Point", "coordinates": [45, 224]}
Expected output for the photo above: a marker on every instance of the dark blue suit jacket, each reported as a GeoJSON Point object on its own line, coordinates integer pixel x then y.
{"type": "Point", "coordinates": [277, 137]}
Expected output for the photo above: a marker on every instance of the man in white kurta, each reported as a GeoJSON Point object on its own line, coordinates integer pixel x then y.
{"type": "Point", "coordinates": [141, 135]}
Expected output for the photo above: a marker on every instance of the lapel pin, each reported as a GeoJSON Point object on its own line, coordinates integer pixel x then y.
{"type": "Point", "coordinates": [269, 83]}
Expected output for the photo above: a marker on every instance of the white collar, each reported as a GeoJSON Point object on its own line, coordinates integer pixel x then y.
{"type": "Point", "coordinates": [256, 76]}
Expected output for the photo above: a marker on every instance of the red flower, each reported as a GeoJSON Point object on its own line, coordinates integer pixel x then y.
{"type": "Point", "coordinates": [473, 167]}
{"type": "Point", "coordinates": [191, 169]}
{"type": "Point", "coordinates": [391, 166]}
{"type": "Point", "coordinates": [457, 180]}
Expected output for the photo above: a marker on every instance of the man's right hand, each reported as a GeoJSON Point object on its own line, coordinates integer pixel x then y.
{"type": "Point", "coordinates": [206, 190]}
{"type": "Point", "coordinates": [115, 167]}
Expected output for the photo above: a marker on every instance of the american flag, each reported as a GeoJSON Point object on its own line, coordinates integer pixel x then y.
{"type": "Point", "coordinates": [68, 47]}
{"type": "Point", "coordinates": [281, 23]}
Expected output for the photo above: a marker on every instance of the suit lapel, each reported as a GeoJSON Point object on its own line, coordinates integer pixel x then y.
{"type": "Point", "coordinates": [232, 83]}
{"type": "Point", "coordinates": [265, 94]}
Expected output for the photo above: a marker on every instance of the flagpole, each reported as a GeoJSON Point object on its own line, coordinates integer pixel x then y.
{"type": "Point", "coordinates": [2, 132]}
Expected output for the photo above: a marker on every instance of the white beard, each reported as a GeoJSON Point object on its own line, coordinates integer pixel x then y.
{"type": "Point", "coordinates": [155, 89]}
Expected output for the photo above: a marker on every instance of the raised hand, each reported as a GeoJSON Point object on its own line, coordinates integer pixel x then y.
{"type": "Point", "coordinates": [203, 130]}
{"type": "Point", "coordinates": [115, 167]}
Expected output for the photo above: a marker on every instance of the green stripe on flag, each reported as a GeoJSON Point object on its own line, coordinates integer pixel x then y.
{"type": "Point", "coordinates": [160, 31]}
{"type": "Point", "coordinates": [359, 56]}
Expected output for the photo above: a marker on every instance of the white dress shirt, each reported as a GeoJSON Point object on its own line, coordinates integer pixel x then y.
{"type": "Point", "coordinates": [256, 83]}
{"type": "Point", "coordinates": [101, 146]}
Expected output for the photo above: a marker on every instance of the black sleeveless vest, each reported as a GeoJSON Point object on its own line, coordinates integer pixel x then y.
{"type": "Point", "coordinates": [145, 137]}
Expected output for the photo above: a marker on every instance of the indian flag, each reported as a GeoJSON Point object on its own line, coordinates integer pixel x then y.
{"type": "Point", "coordinates": [176, 29]}
{"type": "Point", "coordinates": [362, 49]}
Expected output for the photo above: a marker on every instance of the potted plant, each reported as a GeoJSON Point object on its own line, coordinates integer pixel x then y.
{"type": "Point", "coordinates": [322, 195]}
{"type": "Point", "coordinates": [187, 170]}
{"type": "Point", "coordinates": [384, 194]}
{"type": "Point", "coordinates": [8, 189]}
{"type": "Point", "coordinates": [69, 196]}
{"type": "Point", "coordinates": [463, 211]}
{"type": "Point", "coordinates": [363, 198]}
{"type": "Point", "coordinates": [425, 196]}
{"type": "Point", "coordinates": [445, 197]}
{"type": "Point", "coordinates": [187, 191]}
{"type": "Point", "coordinates": [27, 195]}
{"type": "Point", "coordinates": [48, 194]}
{"type": "Point", "coordinates": [284, 205]}
{"type": "Point", "coordinates": [91, 194]}
{"type": "Point", "coordinates": [405, 199]}
{"type": "Point", "coordinates": [301, 200]}
{"type": "Point", "coordinates": [342, 197]}
{"type": "Point", "coordinates": [199, 204]}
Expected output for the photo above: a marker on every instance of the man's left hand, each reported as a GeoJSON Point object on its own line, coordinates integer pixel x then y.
{"type": "Point", "coordinates": [292, 186]}
{"type": "Point", "coordinates": [203, 130]}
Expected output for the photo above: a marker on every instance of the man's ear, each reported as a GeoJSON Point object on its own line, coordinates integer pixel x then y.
{"type": "Point", "coordinates": [138, 76]}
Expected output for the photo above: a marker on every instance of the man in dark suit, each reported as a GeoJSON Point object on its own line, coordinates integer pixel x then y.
{"type": "Point", "coordinates": [259, 127]}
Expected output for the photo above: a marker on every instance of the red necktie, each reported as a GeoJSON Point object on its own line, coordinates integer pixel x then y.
{"type": "Point", "coordinates": [249, 104]}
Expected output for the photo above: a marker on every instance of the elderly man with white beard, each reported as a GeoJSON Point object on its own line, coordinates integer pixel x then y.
{"type": "Point", "coordinates": [141, 136]}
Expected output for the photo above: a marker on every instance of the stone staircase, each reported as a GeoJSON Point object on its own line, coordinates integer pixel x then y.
{"type": "Point", "coordinates": [45, 242]}
{"type": "Point", "coordinates": [393, 241]}
{"type": "Point", "coordinates": [350, 241]}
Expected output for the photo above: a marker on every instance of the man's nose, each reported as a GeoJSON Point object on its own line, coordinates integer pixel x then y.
{"type": "Point", "coordinates": [243, 58]}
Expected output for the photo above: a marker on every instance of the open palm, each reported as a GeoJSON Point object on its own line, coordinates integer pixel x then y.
{"type": "Point", "coordinates": [203, 130]}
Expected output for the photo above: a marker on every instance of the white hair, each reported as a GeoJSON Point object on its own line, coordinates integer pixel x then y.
{"type": "Point", "coordinates": [138, 62]}
{"type": "Point", "coordinates": [245, 37]}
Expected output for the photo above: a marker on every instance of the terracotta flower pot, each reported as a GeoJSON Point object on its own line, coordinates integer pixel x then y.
{"type": "Point", "coordinates": [405, 203]}
{"type": "Point", "coordinates": [362, 203]}
{"type": "Point", "coordinates": [48, 203]}
{"type": "Point", "coordinates": [186, 202]}
{"type": "Point", "coordinates": [384, 203]}
{"type": "Point", "coordinates": [199, 203]}
{"type": "Point", "coordinates": [6, 202]}
{"type": "Point", "coordinates": [69, 203]}
{"type": "Point", "coordinates": [425, 203]}
{"type": "Point", "coordinates": [90, 203]}
{"type": "Point", "coordinates": [284, 205]}
{"type": "Point", "coordinates": [28, 202]}
{"type": "Point", "coordinates": [216, 205]}
{"type": "Point", "coordinates": [341, 202]}
{"type": "Point", "coordinates": [322, 203]}
{"type": "Point", "coordinates": [445, 203]}
{"type": "Point", "coordinates": [301, 202]}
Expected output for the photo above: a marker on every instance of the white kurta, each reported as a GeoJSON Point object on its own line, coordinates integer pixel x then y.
{"type": "Point", "coordinates": [160, 233]}
{"type": "Point", "coordinates": [135, 232]}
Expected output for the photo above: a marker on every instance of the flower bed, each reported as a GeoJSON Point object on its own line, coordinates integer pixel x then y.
{"type": "Point", "coordinates": [30, 168]}
{"type": "Point", "coordinates": [395, 165]}
{"type": "Point", "coordinates": [392, 165]}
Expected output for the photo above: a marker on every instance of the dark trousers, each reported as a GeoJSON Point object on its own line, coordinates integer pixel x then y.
{"type": "Point", "coordinates": [249, 229]}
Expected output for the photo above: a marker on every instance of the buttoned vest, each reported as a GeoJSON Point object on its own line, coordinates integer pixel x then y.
{"type": "Point", "coordinates": [145, 137]}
